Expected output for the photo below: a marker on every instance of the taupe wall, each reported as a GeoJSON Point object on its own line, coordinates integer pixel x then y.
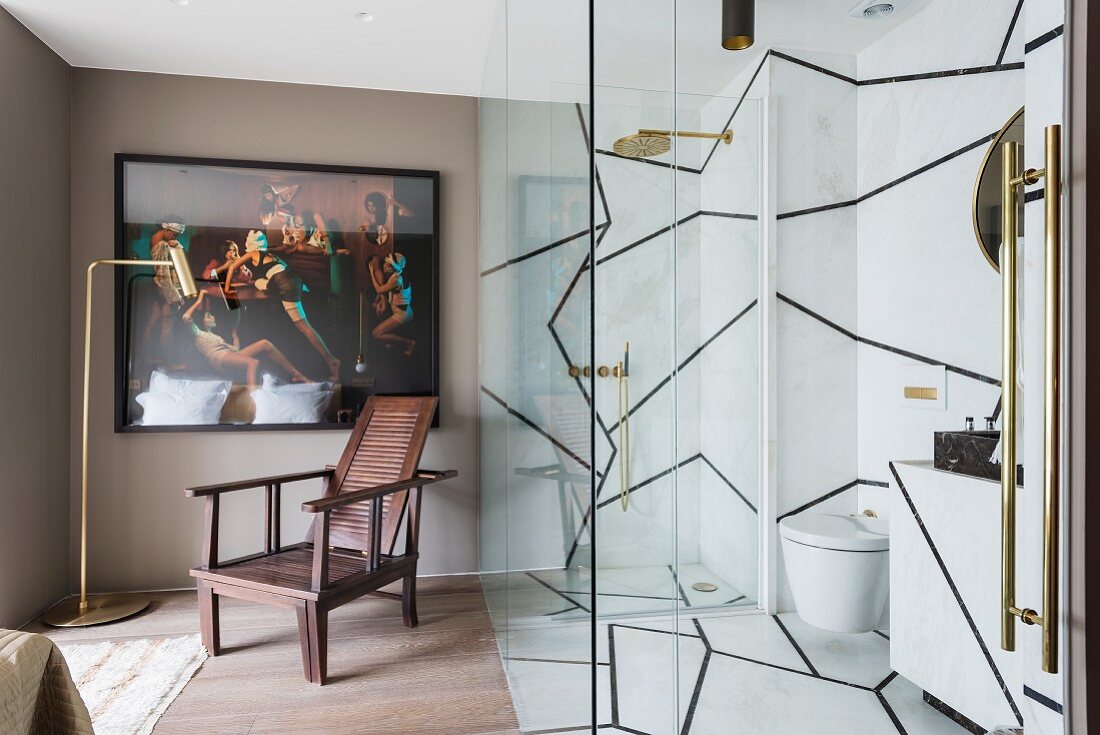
{"type": "Point", "coordinates": [34, 366]}
{"type": "Point", "coordinates": [143, 533]}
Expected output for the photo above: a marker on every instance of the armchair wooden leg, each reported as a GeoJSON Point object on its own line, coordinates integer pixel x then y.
{"type": "Point", "coordinates": [408, 600]}
{"type": "Point", "coordinates": [303, 635]}
{"type": "Point", "coordinates": [317, 624]}
{"type": "Point", "coordinates": [209, 624]}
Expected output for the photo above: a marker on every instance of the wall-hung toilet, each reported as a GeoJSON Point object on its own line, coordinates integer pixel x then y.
{"type": "Point", "coordinates": [839, 569]}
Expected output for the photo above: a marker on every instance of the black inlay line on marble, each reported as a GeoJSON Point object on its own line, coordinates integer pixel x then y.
{"type": "Point", "coordinates": [814, 67]}
{"type": "Point", "coordinates": [958, 596]}
{"type": "Point", "coordinates": [698, 351]}
{"type": "Point", "coordinates": [873, 483]}
{"type": "Point", "coordinates": [880, 633]}
{"type": "Point", "coordinates": [1011, 30]}
{"type": "Point", "coordinates": [729, 484]}
{"type": "Point", "coordinates": [624, 728]}
{"type": "Point", "coordinates": [542, 249]}
{"type": "Point", "coordinates": [562, 612]}
{"type": "Point", "coordinates": [888, 348]}
{"type": "Point", "coordinates": [513, 412]}
{"type": "Point", "coordinates": [588, 147]}
{"type": "Point", "coordinates": [946, 74]}
{"type": "Point", "coordinates": [554, 730]}
{"type": "Point", "coordinates": [701, 632]}
{"type": "Point", "coordinates": [621, 594]}
{"type": "Point", "coordinates": [654, 630]}
{"type": "Point", "coordinates": [728, 215]}
{"type": "Point", "coordinates": [548, 661]}
{"type": "Point", "coordinates": [886, 682]}
{"type": "Point", "coordinates": [650, 161]}
{"type": "Point", "coordinates": [817, 501]}
{"type": "Point", "coordinates": [1042, 699]}
{"type": "Point", "coordinates": [929, 166]}
{"type": "Point", "coordinates": [801, 653]}
{"type": "Point", "coordinates": [1034, 196]}
{"type": "Point", "coordinates": [559, 594]}
{"type": "Point", "coordinates": [885, 187]}
{"type": "Point", "coordinates": [735, 599]}
{"type": "Point", "coordinates": [648, 481]}
{"type": "Point", "coordinates": [652, 236]}
{"type": "Point", "coordinates": [569, 289]}
{"type": "Point", "coordinates": [613, 674]}
{"type": "Point", "coordinates": [689, 716]}
{"type": "Point", "coordinates": [920, 76]}
{"type": "Point", "coordinates": [815, 210]}
{"type": "Point", "coordinates": [954, 715]}
{"type": "Point", "coordinates": [577, 541]}
{"type": "Point", "coordinates": [736, 108]}
{"type": "Point", "coordinates": [680, 587]}
{"type": "Point", "coordinates": [791, 671]}
{"type": "Point", "coordinates": [1044, 39]}
{"type": "Point", "coordinates": [890, 712]}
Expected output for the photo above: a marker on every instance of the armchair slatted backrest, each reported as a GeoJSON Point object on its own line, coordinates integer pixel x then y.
{"type": "Point", "coordinates": [385, 446]}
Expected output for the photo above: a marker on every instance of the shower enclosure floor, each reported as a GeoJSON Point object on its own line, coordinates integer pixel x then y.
{"type": "Point", "coordinates": [738, 672]}
{"type": "Point", "coordinates": [566, 593]}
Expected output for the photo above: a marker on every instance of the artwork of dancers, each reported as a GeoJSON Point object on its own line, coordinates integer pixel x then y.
{"type": "Point", "coordinates": [272, 276]}
{"type": "Point", "coordinates": [224, 356]}
{"type": "Point", "coordinates": [302, 272]}
{"type": "Point", "coordinates": [391, 285]}
{"type": "Point", "coordinates": [168, 300]}
{"type": "Point", "coordinates": [215, 270]}
{"type": "Point", "coordinates": [387, 274]}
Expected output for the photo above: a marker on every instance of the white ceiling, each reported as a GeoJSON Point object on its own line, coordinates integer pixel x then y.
{"type": "Point", "coordinates": [434, 45]}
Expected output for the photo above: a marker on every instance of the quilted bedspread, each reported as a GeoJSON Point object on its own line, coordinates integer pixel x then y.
{"type": "Point", "coordinates": [37, 694]}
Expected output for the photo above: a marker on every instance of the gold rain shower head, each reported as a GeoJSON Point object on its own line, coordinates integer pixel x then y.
{"type": "Point", "coordinates": [648, 143]}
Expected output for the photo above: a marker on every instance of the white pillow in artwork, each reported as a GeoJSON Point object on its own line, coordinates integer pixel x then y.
{"type": "Point", "coordinates": [181, 409]}
{"type": "Point", "coordinates": [271, 383]}
{"type": "Point", "coordinates": [163, 383]}
{"type": "Point", "coordinates": [282, 406]}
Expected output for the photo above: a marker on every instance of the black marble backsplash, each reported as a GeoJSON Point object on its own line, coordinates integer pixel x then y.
{"type": "Point", "coordinates": [968, 453]}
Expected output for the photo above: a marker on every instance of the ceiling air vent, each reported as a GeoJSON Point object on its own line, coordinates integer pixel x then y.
{"type": "Point", "coordinates": [875, 9]}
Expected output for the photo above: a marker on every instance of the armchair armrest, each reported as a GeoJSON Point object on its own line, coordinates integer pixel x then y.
{"type": "Point", "coordinates": [206, 490]}
{"type": "Point", "coordinates": [423, 477]}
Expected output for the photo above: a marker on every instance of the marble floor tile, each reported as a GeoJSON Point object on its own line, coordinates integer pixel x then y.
{"type": "Point", "coordinates": [857, 658]}
{"type": "Point", "coordinates": [659, 676]}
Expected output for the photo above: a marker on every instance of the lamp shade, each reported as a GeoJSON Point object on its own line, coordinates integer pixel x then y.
{"type": "Point", "coordinates": [738, 24]}
{"type": "Point", "coordinates": [183, 271]}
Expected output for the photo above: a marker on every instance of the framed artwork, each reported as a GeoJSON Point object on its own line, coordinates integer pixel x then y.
{"type": "Point", "coordinates": [318, 286]}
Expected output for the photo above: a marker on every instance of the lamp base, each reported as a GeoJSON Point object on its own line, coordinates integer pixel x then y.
{"type": "Point", "coordinates": [100, 609]}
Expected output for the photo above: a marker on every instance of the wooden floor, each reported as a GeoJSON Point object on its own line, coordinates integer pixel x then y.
{"type": "Point", "coordinates": [443, 677]}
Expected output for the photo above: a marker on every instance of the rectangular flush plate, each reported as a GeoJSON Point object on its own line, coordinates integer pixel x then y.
{"type": "Point", "coordinates": [922, 386]}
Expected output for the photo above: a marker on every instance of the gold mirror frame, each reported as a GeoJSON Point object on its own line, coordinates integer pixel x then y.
{"type": "Point", "coordinates": [993, 150]}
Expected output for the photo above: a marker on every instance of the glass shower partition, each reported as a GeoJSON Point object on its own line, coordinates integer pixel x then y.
{"type": "Point", "coordinates": [620, 366]}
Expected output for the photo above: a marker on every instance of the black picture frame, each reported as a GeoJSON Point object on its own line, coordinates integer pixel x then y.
{"type": "Point", "coordinates": [123, 322]}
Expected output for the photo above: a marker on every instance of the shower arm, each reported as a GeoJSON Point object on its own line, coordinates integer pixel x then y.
{"type": "Point", "coordinates": [726, 136]}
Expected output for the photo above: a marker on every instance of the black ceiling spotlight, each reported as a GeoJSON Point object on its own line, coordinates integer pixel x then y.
{"type": "Point", "coordinates": [738, 24]}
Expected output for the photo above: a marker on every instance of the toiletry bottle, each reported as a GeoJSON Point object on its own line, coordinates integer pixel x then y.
{"type": "Point", "coordinates": [970, 423]}
{"type": "Point", "coordinates": [990, 423]}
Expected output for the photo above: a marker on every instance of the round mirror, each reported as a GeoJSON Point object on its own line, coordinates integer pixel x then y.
{"type": "Point", "coordinates": [987, 191]}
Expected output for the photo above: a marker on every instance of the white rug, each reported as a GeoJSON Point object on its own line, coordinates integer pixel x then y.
{"type": "Point", "coordinates": [128, 684]}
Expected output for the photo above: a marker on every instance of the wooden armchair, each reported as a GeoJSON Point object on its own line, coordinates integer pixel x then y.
{"type": "Point", "coordinates": [348, 551]}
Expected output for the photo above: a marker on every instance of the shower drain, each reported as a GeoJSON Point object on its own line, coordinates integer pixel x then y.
{"type": "Point", "coordinates": [704, 587]}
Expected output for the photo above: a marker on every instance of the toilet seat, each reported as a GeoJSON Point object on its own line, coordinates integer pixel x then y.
{"type": "Point", "coordinates": [836, 532]}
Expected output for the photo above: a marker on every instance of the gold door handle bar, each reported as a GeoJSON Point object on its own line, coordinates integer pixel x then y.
{"type": "Point", "coordinates": [1052, 174]}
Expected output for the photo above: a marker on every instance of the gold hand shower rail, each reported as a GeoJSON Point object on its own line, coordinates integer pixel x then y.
{"type": "Point", "coordinates": [621, 375]}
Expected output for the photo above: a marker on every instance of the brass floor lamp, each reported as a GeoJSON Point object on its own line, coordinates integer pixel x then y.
{"type": "Point", "coordinates": [85, 610]}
